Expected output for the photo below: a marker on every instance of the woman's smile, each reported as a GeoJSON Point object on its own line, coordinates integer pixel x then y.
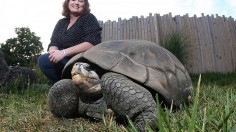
{"type": "Point", "coordinates": [76, 6]}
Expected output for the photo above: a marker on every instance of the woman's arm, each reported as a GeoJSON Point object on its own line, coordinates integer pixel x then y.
{"type": "Point", "coordinates": [54, 38]}
{"type": "Point", "coordinates": [77, 48]}
{"type": "Point", "coordinates": [57, 55]}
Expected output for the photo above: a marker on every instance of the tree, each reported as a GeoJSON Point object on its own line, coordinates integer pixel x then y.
{"type": "Point", "coordinates": [22, 50]}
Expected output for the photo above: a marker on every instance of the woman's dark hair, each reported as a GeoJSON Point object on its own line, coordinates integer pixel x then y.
{"type": "Point", "coordinates": [66, 11]}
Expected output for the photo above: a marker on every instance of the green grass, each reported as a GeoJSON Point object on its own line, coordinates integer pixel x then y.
{"type": "Point", "coordinates": [213, 109]}
{"type": "Point", "coordinates": [218, 79]}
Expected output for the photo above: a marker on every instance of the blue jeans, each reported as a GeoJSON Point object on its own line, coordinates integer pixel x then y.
{"type": "Point", "coordinates": [51, 70]}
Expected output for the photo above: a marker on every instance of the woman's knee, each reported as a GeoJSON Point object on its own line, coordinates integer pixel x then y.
{"type": "Point", "coordinates": [43, 57]}
{"type": "Point", "coordinates": [43, 60]}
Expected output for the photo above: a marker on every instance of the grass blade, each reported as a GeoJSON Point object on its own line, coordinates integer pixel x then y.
{"type": "Point", "coordinates": [194, 114]}
{"type": "Point", "coordinates": [159, 116]}
{"type": "Point", "coordinates": [204, 121]}
{"type": "Point", "coordinates": [162, 115]}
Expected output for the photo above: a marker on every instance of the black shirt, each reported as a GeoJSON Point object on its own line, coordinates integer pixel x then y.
{"type": "Point", "coordinates": [85, 29]}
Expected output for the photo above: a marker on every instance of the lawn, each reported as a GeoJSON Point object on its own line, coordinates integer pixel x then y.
{"type": "Point", "coordinates": [213, 109]}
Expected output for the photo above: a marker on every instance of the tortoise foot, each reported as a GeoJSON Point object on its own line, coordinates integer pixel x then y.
{"type": "Point", "coordinates": [63, 99]}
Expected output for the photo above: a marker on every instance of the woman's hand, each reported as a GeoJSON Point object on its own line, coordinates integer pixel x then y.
{"type": "Point", "coordinates": [56, 55]}
{"type": "Point", "coordinates": [52, 48]}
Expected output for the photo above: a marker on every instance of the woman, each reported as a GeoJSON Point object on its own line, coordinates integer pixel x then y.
{"type": "Point", "coordinates": [75, 33]}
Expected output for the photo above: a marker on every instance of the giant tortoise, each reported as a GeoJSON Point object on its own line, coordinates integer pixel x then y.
{"type": "Point", "coordinates": [125, 76]}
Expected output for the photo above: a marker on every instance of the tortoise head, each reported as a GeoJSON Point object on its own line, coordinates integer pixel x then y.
{"type": "Point", "coordinates": [86, 79]}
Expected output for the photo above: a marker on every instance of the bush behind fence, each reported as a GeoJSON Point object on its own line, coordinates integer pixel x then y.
{"type": "Point", "coordinates": [212, 39]}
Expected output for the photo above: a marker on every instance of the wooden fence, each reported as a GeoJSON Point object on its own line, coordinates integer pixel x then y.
{"type": "Point", "coordinates": [212, 39]}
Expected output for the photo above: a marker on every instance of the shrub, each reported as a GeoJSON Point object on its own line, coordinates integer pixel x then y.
{"type": "Point", "coordinates": [177, 43]}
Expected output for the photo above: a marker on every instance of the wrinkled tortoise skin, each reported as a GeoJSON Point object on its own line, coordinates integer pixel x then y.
{"type": "Point", "coordinates": [65, 100]}
{"type": "Point", "coordinates": [132, 72]}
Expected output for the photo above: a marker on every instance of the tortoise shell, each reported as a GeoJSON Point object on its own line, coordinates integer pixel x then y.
{"type": "Point", "coordinates": [147, 63]}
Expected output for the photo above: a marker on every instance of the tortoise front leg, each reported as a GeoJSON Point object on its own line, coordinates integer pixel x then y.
{"type": "Point", "coordinates": [127, 98]}
{"type": "Point", "coordinates": [65, 100]}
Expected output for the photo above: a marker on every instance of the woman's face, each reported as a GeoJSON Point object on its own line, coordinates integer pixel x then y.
{"type": "Point", "coordinates": [76, 6]}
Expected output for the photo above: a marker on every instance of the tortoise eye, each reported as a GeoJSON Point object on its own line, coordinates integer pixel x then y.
{"type": "Point", "coordinates": [77, 64]}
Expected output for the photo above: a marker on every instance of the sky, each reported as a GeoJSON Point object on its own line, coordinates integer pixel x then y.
{"type": "Point", "coordinates": [42, 15]}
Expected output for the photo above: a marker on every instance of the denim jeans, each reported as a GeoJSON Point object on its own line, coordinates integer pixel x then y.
{"type": "Point", "coordinates": [51, 70]}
